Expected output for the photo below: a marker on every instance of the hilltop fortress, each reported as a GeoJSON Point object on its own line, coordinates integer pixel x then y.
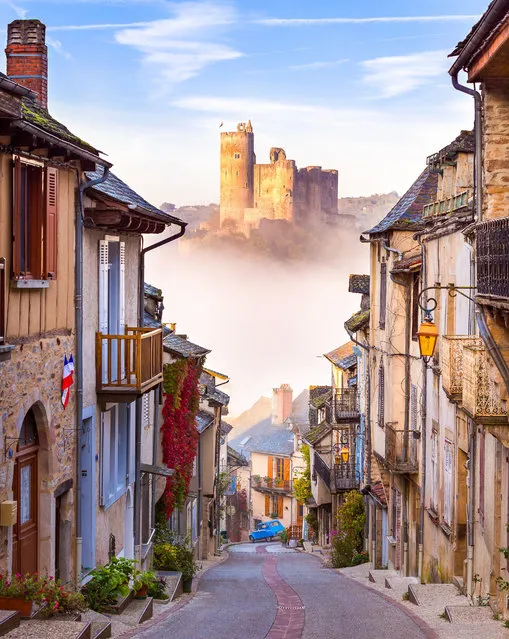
{"type": "Point", "coordinates": [276, 191]}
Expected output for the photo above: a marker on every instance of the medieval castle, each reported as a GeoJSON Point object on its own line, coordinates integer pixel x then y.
{"type": "Point", "coordinates": [251, 192]}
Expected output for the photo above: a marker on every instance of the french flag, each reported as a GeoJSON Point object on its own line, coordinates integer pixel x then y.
{"type": "Point", "coordinates": [67, 379]}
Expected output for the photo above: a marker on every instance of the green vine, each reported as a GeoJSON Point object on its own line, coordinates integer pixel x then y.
{"type": "Point", "coordinates": [302, 484]}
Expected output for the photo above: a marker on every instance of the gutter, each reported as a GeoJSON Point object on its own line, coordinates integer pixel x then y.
{"type": "Point", "coordinates": [78, 309]}
{"type": "Point", "coordinates": [17, 89]}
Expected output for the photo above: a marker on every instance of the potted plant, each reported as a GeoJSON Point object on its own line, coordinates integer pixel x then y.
{"type": "Point", "coordinates": [108, 583]}
{"type": "Point", "coordinates": [268, 481]}
{"type": "Point", "coordinates": [19, 593]}
{"type": "Point", "coordinates": [177, 557]}
{"type": "Point", "coordinates": [257, 480]}
{"type": "Point", "coordinates": [142, 580]}
{"type": "Point", "coordinates": [187, 566]}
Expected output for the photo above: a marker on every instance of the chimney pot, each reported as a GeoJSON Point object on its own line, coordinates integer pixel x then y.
{"type": "Point", "coordinates": [27, 57]}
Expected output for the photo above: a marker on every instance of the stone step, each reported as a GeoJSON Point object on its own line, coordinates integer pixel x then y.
{"type": "Point", "coordinates": [400, 583]}
{"type": "Point", "coordinates": [379, 576]}
{"type": "Point", "coordinates": [121, 604]}
{"type": "Point", "coordinates": [51, 629]}
{"type": "Point", "coordinates": [173, 584]}
{"type": "Point", "coordinates": [100, 624]}
{"type": "Point", "coordinates": [458, 582]}
{"type": "Point", "coordinates": [438, 595]}
{"type": "Point", "coordinates": [467, 614]}
{"type": "Point", "coordinates": [9, 619]}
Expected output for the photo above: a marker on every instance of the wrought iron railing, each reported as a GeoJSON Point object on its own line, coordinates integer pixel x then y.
{"type": "Point", "coordinates": [344, 476]}
{"type": "Point", "coordinates": [401, 450]}
{"type": "Point", "coordinates": [452, 362]}
{"type": "Point", "coordinates": [346, 404]}
{"type": "Point", "coordinates": [322, 469]}
{"type": "Point", "coordinates": [271, 484]}
{"type": "Point", "coordinates": [481, 393]}
{"type": "Point", "coordinates": [449, 205]}
{"type": "Point", "coordinates": [493, 258]}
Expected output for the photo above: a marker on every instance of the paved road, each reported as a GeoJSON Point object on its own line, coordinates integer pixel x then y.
{"type": "Point", "coordinates": [267, 591]}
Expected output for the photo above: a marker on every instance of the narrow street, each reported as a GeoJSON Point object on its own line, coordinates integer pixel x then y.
{"type": "Point", "coordinates": [265, 590]}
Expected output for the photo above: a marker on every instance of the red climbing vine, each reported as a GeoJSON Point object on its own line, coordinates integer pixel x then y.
{"type": "Point", "coordinates": [179, 433]}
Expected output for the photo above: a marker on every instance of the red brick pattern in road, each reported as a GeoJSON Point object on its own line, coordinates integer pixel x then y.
{"type": "Point", "coordinates": [290, 616]}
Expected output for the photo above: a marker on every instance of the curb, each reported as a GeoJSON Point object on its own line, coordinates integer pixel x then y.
{"type": "Point", "coordinates": [184, 600]}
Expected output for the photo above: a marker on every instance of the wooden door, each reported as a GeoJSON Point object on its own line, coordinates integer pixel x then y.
{"type": "Point", "coordinates": [25, 532]}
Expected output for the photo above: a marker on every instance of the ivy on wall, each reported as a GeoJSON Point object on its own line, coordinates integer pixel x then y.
{"type": "Point", "coordinates": [179, 433]}
{"type": "Point", "coordinates": [302, 483]}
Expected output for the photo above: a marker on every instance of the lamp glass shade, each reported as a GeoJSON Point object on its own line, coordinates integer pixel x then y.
{"type": "Point", "coordinates": [345, 454]}
{"type": "Point", "coordinates": [427, 335]}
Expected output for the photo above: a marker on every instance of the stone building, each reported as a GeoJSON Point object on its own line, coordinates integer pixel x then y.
{"type": "Point", "coordinates": [250, 192]}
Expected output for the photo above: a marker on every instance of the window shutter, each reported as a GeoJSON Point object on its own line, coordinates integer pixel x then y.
{"type": "Point", "coordinates": [103, 303]}
{"type": "Point", "coordinates": [381, 396]}
{"type": "Point", "coordinates": [270, 466]}
{"type": "Point", "coordinates": [413, 407]}
{"type": "Point", "coordinates": [50, 223]}
{"type": "Point", "coordinates": [286, 471]}
{"type": "Point", "coordinates": [121, 293]}
{"type": "Point", "coordinates": [280, 507]}
{"type": "Point", "coordinates": [17, 236]}
{"type": "Point", "coordinates": [383, 293]}
{"type": "Point", "coordinates": [267, 505]}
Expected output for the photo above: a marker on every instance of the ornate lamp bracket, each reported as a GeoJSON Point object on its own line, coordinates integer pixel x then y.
{"type": "Point", "coordinates": [428, 305]}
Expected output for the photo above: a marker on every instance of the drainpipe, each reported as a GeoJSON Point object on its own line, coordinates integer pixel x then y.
{"type": "Point", "coordinates": [138, 435]}
{"type": "Point", "coordinates": [78, 364]}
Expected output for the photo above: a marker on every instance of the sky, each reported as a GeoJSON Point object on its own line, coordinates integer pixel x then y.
{"type": "Point", "coordinates": [357, 86]}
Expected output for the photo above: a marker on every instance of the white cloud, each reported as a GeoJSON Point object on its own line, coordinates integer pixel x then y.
{"type": "Point", "coordinates": [57, 46]}
{"type": "Point", "coordinates": [292, 22]}
{"type": "Point", "coordinates": [326, 64]}
{"type": "Point", "coordinates": [395, 75]}
{"type": "Point", "coordinates": [179, 48]}
{"type": "Point", "coordinates": [20, 11]}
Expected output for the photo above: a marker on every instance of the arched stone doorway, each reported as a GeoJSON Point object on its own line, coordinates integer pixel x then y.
{"type": "Point", "coordinates": [25, 541]}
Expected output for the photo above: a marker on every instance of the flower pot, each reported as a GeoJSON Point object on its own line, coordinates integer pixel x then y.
{"type": "Point", "coordinates": [23, 606]}
{"type": "Point", "coordinates": [142, 592]}
{"type": "Point", "coordinates": [187, 585]}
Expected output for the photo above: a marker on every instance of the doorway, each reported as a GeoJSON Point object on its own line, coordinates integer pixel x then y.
{"type": "Point", "coordinates": [25, 539]}
{"type": "Point", "coordinates": [87, 489]}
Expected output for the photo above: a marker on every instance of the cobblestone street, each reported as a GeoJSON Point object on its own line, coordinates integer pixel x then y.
{"type": "Point", "coordinates": [265, 590]}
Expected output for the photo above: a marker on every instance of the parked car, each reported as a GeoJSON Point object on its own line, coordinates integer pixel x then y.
{"type": "Point", "coordinates": [266, 530]}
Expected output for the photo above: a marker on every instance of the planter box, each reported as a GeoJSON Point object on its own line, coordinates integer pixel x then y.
{"type": "Point", "coordinates": [17, 603]}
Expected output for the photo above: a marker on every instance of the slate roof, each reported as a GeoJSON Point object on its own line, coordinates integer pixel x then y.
{"type": "Point", "coordinates": [115, 188]}
{"type": "Point", "coordinates": [265, 437]}
{"type": "Point", "coordinates": [358, 321]}
{"type": "Point", "coordinates": [343, 356]}
{"type": "Point", "coordinates": [152, 290]}
{"type": "Point", "coordinates": [316, 391]}
{"type": "Point", "coordinates": [177, 344]}
{"type": "Point", "coordinates": [226, 428]}
{"type": "Point", "coordinates": [219, 397]}
{"type": "Point", "coordinates": [317, 433]}
{"type": "Point", "coordinates": [412, 261]}
{"type": "Point", "coordinates": [320, 400]}
{"type": "Point", "coordinates": [359, 284]}
{"type": "Point", "coordinates": [489, 22]}
{"type": "Point", "coordinates": [464, 143]}
{"type": "Point", "coordinates": [235, 458]}
{"type": "Point", "coordinates": [406, 214]}
{"type": "Point", "coordinates": [203, 420]}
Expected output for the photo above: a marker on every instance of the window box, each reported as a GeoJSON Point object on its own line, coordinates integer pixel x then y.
{"type": "Point", "coordinates": [21, 284]}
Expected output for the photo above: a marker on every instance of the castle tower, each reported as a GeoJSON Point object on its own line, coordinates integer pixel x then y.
{"type": "Point", "coordinates": [237, 168]}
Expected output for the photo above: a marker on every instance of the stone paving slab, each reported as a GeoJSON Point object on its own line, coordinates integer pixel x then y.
{"type": "Point", "coordinates": [400, 583]}
{"type": "Point", "coordinates": [439, 595]}
{"type": "Point", "coordinates": [50, 630]}
{"type": "Point", "coordinates": [469, 614]}
{"type": "Point", "coordinates": [378, 575]}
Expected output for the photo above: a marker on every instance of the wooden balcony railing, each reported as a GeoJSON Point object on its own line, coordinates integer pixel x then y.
{"type": "Point", "coordinates": [344, 477]}
{"type": "Point", "coordinates": [449, 205]}
{"type": "Point", "coordinates": [131, 363]}
{"type": "Point", "coordinates": [452, 362]}
{"type": "Point", "coordinates": [347, 404]}
{"type": "Point", "coordinates": [401, 450]}
{"type": "Point", "coordinates": [266, 484]}
{"type": "Point", "coordinates": [492, 252]}
{"type": "Point", "coordinates": [481, 394]}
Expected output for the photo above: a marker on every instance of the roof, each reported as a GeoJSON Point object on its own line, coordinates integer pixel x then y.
{"type": "Point", "coordinates": [152, 291]}
{"type": "Point", "coordinates": [203, 420]}
{"type": "Point", "coordinates": [265, 437]}
{"type": "Point", "coordinates": [359, 284]}
{"type": "Point", "coordinates": [317, 433]}
{"type": "Point", "coordinates": [215, 374]}
{"type": "Point", "coordinates": [343, 356]}
{"type": "Point", "coordinates": [357, 322]}
{"type": "Point", "coordinates": [235, 458]}
{"type": "Point", "coordinates": [406, 214]}
{"type": "Point", "coordinates": [113, 187]}
{"type": "Point", "coordinates": [226, 428]}
{"type": "Point", "coordinates": [320, 400]}
{"type": "Point", "coordinates": [464, 143]}
{"type": "Point", "coordinates": [182, 347]}
{"type": "Point", "coordinates": [219, 397]}
{"type": "Point", "coordinates": [410, 262]}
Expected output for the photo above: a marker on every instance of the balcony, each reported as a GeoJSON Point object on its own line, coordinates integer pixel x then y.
{"type": "Point", "coordinates": [493, 259]}
{"type": "Point", "coordinates": [481, 394]}
{"type": "Point", "coordinates": [401, 450]}
{"type": "Point", "coordinates": [271, 485]}
{"type": "Point", "coordinates": [128, 365]}
{"type": "Point", "coordinates": [346, 405]}
{"type": "Point", "coordinates": [344, 477]}
{"type": "Point", "coordinates": [321, 469]}
{"type": "Point", "coordinates": [447, 206]}
{"type": "Point", "coordinates": [452, 363]}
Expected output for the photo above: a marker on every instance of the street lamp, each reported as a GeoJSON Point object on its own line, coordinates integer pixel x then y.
{"type": "Point", "coordinates": [345, 454]}
{"type": "Point", "coordinates": [428, 335]}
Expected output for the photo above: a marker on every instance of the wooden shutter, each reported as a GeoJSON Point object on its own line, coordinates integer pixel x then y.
{"type": "Point", "coordinates": [286, 471]}
{"type": "Point", "coordinates": [280, 507]}
{"type": "Point", "coordinates": [103, 303]}
{"type": "Point", "coordinates": [267, 505]}
{"type": "Point", "coordinates": [381, 396]}
{"type": "Point", "coordinates": [50, 223]}
{"type": "Point", "coordinates": [270, 466]}
{"type": "Point", "coordinates": [17, 237]}
{"type": "Point", "coordinates": [383, 293]}
{"type": "Point", "coordinates": [121, 307]}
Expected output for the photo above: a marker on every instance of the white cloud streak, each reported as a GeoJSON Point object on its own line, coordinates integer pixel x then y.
{"type": "Point", "coordinates": [326, 64]}
{"type": "Point", "coordinates": [395, 75]}
{"type": "Point", "coordinates": [295, 22]}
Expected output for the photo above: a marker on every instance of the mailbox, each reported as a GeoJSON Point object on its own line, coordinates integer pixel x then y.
{"type": "Point", "coordinates": [8, 513]}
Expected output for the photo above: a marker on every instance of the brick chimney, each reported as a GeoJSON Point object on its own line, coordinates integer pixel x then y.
{"type": "Point", "coordinates": [27, 57]}
{"type": "Point", "coordinates": [281, 403]}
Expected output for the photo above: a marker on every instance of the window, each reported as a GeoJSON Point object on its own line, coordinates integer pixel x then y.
{"type": "Point", "coordinates": [381, 396]}
{"type": "Point", "coordinates": [117, 448]}
{"type": "Point", "coordinates": [383, 294]}
{"type": "Point", "coordinates": [434, 468]}
{"type": "Point", "coordinates": [3, 300]}
{"type": "Point", "coordinates": [482, 445]}
{"type": "Point", "coordinates": [34, 221]}
{"type": "Point", "coordinates": [448, 483]}
{"type": "Point", "coordinates": [415, 306]}
{"type": "Point", "coordinates": [413, 408]}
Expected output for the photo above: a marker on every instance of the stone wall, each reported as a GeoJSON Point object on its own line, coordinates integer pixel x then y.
{"type": "Point", "coordinates": [495, 144]}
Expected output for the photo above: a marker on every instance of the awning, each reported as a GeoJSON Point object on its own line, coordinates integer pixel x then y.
{"type": "Point", "coordinates": [157, 470]}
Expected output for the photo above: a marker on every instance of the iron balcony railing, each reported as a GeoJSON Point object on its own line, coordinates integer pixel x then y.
{"type": "Point", "coordinates": [346, 404]}
{"type": "Point", "coordinates": [449, 205]}
{"type": "Point", "coordinates": [493, 258]}
{"type": "Point", "coordinates": [129, 363]}
{"type": "Point", "coordinates": [322, 469]}
{"type": "Point", "coordinates": [271, 484]}
{"type": "Point", "coordinates": [401, 450]}
{"type": "Point", "coordinates": [481, 392]}
{"type": "Point", "coordinates": [452, 362]}
{"type": "Point", "coordinates": [344, 477]}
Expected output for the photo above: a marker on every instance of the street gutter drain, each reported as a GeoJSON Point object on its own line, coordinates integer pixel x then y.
{"type": "Point", "coordinates": [291, 607]}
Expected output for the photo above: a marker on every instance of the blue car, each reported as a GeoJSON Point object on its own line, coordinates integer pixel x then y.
{"type": "Point", "coordinates": [266, 531]}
